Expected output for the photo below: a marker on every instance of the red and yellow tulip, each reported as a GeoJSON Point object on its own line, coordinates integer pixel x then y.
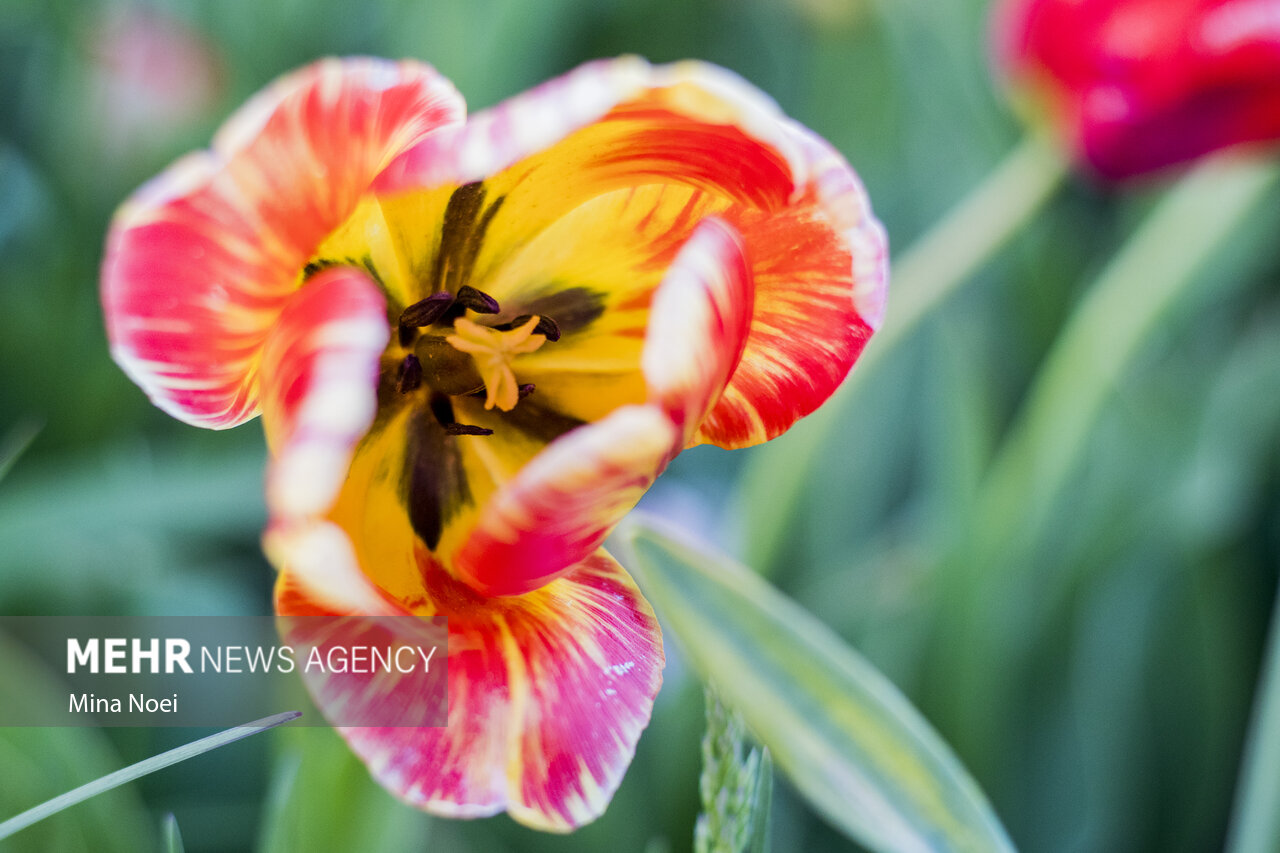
{"type": "Point", "coordinates": [474, 344]}
{"type": "Point", "coordinates": [1139, 85]}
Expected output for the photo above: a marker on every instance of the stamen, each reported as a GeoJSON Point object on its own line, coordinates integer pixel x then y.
{"type": "Point", "coordinates": [466, 429]}
{"type": "Point", "coordinates": [410, 374]}
{"type": "Point", "coordinates": [424, 312]}
{"type": "Point", "coordinates": [546, 326]}
{"type": "Point", "coordinates": [442, 410]}
{"type": "Point", "coordinates": [477, 301]}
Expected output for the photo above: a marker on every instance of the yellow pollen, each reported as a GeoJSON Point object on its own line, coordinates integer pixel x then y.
{"type": "Point", "coordinates": [492, 350]}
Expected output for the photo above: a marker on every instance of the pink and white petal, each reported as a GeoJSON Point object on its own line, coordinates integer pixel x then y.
{"type": "Point", "coordinates": [592, 654]}
{"type": "Point", "coordinates": [820, 271]}
{"type": "Point", "coordinates": [560, 507]}
{"type": "Point", "coordinates": [548, 694]}
{"type": "Point", "coordinates": [321, 360]}
{"type": "Point", "coordinates": [698, 325]}
{"type": "Point", "coordinates": [200, 261]}
{"type": "Point", "coordinates": [326, 605]}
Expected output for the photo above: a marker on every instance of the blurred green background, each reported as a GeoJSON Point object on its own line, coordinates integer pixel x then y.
{"type": "Point", "coordinates": [1108, 713]}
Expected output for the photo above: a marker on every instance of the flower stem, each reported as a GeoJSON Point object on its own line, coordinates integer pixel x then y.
{"type": "Point", "coordinates": [736, 786]}
{"type": "Point", "coordinates": [1255, 827]}
{"type": "Point", "coordinates": [142, 768]}
{"type": "Point", "coordinates": [1156, 269]}
{"type": "Point", "coordinates": [922, 278]}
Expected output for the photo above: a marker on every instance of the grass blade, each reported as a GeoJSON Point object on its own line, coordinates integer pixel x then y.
{"type": "Point", "coordinates": [16, 442]}
{"type": "Point", "coordinates": [142, 768]}
{"type": "Point", "coordinates": [1255, 827]}
{"type": "Point", "coordinates": [170, 835]}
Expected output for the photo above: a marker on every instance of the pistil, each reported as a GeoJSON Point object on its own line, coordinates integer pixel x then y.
{"type": "Point", "coordinates": [492, 351]}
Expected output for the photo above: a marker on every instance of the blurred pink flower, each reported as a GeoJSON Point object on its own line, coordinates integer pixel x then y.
{"type": "Point", "coordinates": [150, 75]}
{"type": "Point", "coordinates": [1139, 85]}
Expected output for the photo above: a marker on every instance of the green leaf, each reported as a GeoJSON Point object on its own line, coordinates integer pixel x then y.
{"type": "Point", "coordinates": [323, 800]}
{"type": "Point", "coordinates": [736, 785]}
{"type": "Point", "coordinates": [762, 807]}
{"type": "Point", "coordinates": [142, 768]}
{"type": "Point", "coordinates": [861, 755]}
{"type": "Point", "coordinates": [1255, 826]}
{"type": "Point", "coordinates": [15, 443]}
{"type": "Point", "coordinates": [38, 763]}
{"type": "Point", "coordinates": [170, 836]}
{"type": "Point", "coordinates": [1159, 270]}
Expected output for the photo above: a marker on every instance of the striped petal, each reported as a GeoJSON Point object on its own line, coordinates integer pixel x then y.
{"type": "Point", "coordinates": [201, 260]}
{"type": "Point", "coordinates": [625, 161]}
{"type": "Point", "coordinates": [320, 362]}
{"type": "Point", "coordinates": [560, 507]}
{"type": "Point", "coordinates": [699, 323]}
{"type": "Point", "coordinates": [820, 269]}
{"type": "Point", "coordinates": [548, 692]}
{"type": "Point", "coordinates": [325, 603]}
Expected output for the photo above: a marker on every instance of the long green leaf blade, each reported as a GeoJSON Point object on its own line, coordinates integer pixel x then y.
{"type": "Point", "coordinates": [15, 443]}
{"type": "Point", "coordinates": [142, 768]}
{"type": "Point", "coordinates": [857, 750]}
{"type": "Point", "coordinates": [171, 836]}
{"type": "Point", "coordinates": [1256, 823]}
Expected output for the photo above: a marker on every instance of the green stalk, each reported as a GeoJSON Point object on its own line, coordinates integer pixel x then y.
{"type": "Point", "coordinates": [16, 442]}
{"type": "Point", "coordinates": [736, 785]}
{"type": "Point", "coordinates": [142, 768]}
{"type": "Point", "coordinates": [1156, 269]}
{"type": "Point", "coordinates": [921, 279]}
{"type": "Point", "coordinates": [1255, 826]}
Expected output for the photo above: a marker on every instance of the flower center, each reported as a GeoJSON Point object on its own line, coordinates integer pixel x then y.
{"type": "Point", "coordinates": [454, 356]}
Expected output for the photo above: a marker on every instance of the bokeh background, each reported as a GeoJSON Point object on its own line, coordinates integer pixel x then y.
{"type": "Point", "coordinates": [1096, 675]}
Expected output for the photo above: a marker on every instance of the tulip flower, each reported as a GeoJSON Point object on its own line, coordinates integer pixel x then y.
{"type": "Point", "coordinates": [474, 343]}
{"type": "Point", "coordinates": [1139, 85]}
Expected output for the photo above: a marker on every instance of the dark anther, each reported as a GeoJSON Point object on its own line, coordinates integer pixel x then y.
{"type": "Point", "coordinates": [424, 312]}
{"type": "Point", "coordinates": [466, 429]}
{"type": "Point", "coordinates": [410, 374]}
{"type": "Point", "coordinates": [407, 335]}
{"type": "Point", "coordinates": [546, 326]}
{"type": "Point", "coordinates": [442, 410]}
{"type": "Point", "coordinates": [477, 301]}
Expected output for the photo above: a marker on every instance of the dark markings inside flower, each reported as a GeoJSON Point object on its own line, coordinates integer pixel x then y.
{"type": "Point", "coordinates": [455, 355]}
